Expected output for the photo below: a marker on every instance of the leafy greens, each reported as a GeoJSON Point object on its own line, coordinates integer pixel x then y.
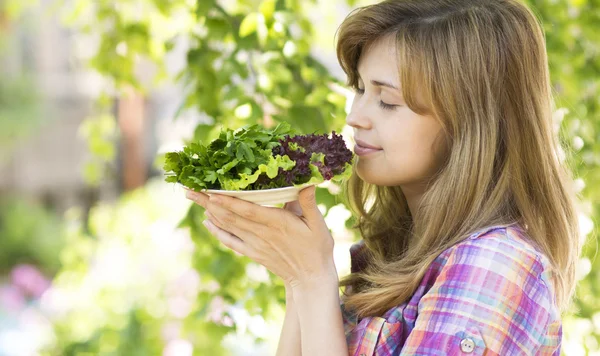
{"type": "Point", "coordinates": [254, 158]}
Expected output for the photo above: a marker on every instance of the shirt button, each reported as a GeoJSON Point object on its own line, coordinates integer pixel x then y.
{"type": "Point", "coordinates": [467, 345]}
{"type": "Point", "coordinates": [363, 354]}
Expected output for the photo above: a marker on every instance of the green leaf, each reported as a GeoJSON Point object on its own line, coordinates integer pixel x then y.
{"type": "Point", "coordinates": [267, 8]}
{"type": "Point", "coordinates": [262, 30]}
{"type": "Point", "coordinates": [317, 157]}
{"type": "Point", "coordinates": [249, 24]}
{"type": "Point", "coordinates": [243, 111]}
{"type": "Point", "coordinates": [271, 170]}
{"type": "Point", "coordinates": [211, 176]}
{"type": "Point", "coordinates": [92, 172]}
{"type": "Point", "coordinates": [171, 179]}
{"type": "Point", "coordinates": [226, 168]}
{"type": "Point", "coordinates": [202, 7]}
{"type": "Point", "coordinates": [345, 176]}
{"type": "Point", "coordinates": [244, 152]}
{"type": "Point", "coordinates": [283, 128]}
{"type": "Point", "coordinates": [217, 27]}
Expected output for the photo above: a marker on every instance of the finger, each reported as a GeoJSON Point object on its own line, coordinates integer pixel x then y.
{"type": "Point", "coordinates": [307, 200]}
{"type": "Point", "coordinates": [229, 221]}
{"type": "Point", "coordinates": [294, 207]}
{"type": "Point", "coordinates": [213, 219]}
{"type": "Point", "coordinates": [254, 244]}
{"type": "Point", "coordinates": [197, 197]}
{"type": "Point", "coordinates": [227, 239]}
{"type": "Point", "coordinates": [249, 211]}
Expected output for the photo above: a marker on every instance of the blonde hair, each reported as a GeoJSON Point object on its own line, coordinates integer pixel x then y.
{"type": "Point", "coordinates": [481, 67]}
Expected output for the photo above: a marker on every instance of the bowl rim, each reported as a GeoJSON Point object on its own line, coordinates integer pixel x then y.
{"type": "Point", "coordinates": [301, 186]}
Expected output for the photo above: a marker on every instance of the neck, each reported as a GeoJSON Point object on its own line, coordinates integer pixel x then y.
{"type": "Point", "coordinates": [413, 195]}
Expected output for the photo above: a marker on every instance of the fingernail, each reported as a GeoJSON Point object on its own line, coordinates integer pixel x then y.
{"type": "Point", "coordinates": [189, 194]}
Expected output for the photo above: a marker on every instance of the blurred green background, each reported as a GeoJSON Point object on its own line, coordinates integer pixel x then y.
{"type": "Point", "coordinates": [99, 256]}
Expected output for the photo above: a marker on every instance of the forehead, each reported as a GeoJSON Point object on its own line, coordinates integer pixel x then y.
{"type": "Point", "coordinates": [380, 60]}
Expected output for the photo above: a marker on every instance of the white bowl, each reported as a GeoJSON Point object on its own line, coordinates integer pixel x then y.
{"type": "Point", "coordinates": [265, 197]}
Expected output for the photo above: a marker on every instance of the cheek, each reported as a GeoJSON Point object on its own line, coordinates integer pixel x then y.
{"type": "Point", "coordinates": [416, 158]}
{"type": "Point", "coordinates": [423, 157]}
{"type": "Point", "coordinates": [412, 162]}
{"type": "Point", "coordinates": [411, 156]}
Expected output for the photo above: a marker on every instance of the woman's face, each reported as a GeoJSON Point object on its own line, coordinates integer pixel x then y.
{"type": "Point", "coordinates": [408, 147]}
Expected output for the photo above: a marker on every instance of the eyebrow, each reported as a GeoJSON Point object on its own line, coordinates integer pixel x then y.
{"type": "Point", "coordinates": [383, 84]}
{"type": "Point", "coordinates": [379, 83]}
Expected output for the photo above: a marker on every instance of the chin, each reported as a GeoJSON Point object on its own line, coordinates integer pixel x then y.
{"type": "Point", "coordinates": [380, 177]}
{"type": "Point", "coordinates": [372, 176]}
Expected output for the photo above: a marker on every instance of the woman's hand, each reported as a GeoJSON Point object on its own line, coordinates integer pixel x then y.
{"type": "Point", "coordinates": [294, 243]}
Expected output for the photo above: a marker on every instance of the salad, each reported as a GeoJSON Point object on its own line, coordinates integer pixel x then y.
{"type": "Point", "coordinates": [255, 158]}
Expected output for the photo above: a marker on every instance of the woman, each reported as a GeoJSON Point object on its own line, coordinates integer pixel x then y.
{"type": "Point", "coordinates": [468, 218]}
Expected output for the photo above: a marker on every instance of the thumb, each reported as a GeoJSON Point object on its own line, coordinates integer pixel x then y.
{"type": "Point", "coordinates": [307, 199]}
{"type": "Point", "coordinates": [294, 207]}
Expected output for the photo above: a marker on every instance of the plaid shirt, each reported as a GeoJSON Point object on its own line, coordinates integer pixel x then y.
{"type": "Point", "coordinates": [488, 295]}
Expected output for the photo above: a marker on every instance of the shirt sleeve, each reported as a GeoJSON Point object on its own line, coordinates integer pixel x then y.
{"type": "Point", "coordinates": [488, 299]}
{"type": "Point", "coordinates": [372, 335]}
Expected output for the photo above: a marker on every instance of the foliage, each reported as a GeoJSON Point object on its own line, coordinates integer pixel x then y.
{"type": "Point", "coordinates": [249, 62]}
{"type": "Point", "coordinates": [29, 234]}
{"type": "Point", "coordinates": [19, 109]}
{"type": "Point", "coordinates": [233, 161]}
{"type": "Point", "coordinates": [574, 58]}
{"type": "Point", "coordinates": [127, 287]}
{"type": "Point", "coordinates": [317, 158]}
{"type": "Point", "coordinates": [100, 133]}
{"type": "Point", "coordinates": [254, 158]}
{"type": "Point", "coordinates": [19, 99]}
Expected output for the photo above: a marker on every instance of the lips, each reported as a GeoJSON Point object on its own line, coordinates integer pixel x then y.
{"type": "Point", "coordinates": [364, 144]}
{"type": "Point", "coordinates": [365, 149]}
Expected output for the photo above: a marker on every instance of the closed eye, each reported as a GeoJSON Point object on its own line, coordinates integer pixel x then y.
{"type": "Point", "coordinates": [382, 105]}
{"type": "Point", "coordinates": [385, 106]}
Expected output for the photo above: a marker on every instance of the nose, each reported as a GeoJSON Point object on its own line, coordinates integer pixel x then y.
{"type": "Point", "coordinates": [359, 115]}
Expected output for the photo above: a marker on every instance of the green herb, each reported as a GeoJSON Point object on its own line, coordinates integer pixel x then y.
{"type": "Point", "coordinates": [253, 158]}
